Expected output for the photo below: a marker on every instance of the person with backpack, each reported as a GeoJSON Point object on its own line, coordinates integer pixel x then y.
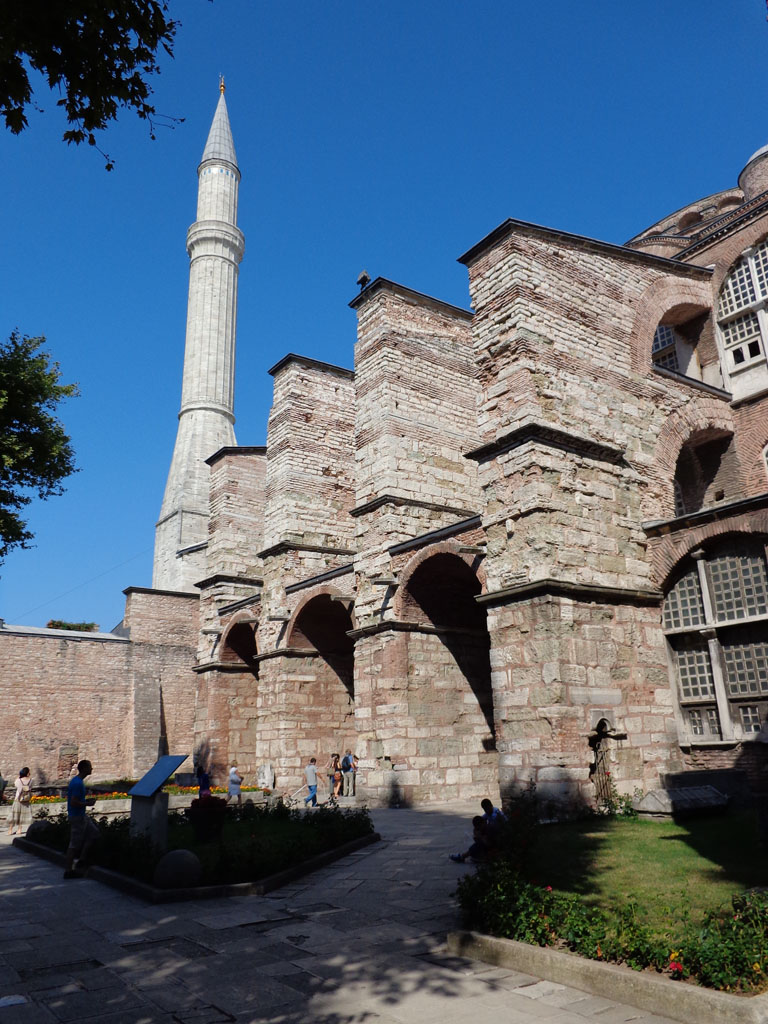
{"type": "Point", "coordinates": [348, 774]}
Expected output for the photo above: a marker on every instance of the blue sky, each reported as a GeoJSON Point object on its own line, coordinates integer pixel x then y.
{"type": "Point", "coordinates": [390, 136]}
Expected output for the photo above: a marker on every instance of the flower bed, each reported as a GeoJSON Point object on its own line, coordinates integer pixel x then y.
{"type": "Point", "coordinates": [123, 795]}
{"type": "Point", "coordinates": [727, 951]}
{"type": "Point", "coordinates": [254, 841]}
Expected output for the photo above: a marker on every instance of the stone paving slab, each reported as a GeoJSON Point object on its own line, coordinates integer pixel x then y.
{"type": "Point", "coordinates": [361, 941]}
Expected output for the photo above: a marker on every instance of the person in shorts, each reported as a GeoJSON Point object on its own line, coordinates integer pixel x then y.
{"type": "Point", "coordinates": [83, 830]}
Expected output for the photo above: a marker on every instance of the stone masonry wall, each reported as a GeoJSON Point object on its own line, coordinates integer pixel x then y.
{"type": "Point", "coordinates": [416, 417]}
{"type": "Point", "coordinates": [558, 667]}
{"type": "Point", "coordinates": [310, 459]}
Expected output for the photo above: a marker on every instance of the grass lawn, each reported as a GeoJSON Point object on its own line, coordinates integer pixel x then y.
{"type": "Point", "coordinates": [662, 865]}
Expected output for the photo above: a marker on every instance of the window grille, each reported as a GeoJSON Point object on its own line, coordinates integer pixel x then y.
{"type": "Point", "coordinates": [726, 593]}
{"type": "Point", "coordinates": [739, 584]}
{"type": "Point", "coordinates": [744, 293]}
{"type": "Point", "coordinates": [746, 668]}
{"type": "Point", "coordinates": [695, 671]}
{"type": "Point", "coordinates": [760, 259]}
{"type": "Point", "coordinates": [696, 722]}
{"type": "Point", "coordinates": [713, 722]}
{"type": "Point", "coordinates": [738, 292]}
{"type": "Point", "coordinates": [683, 606]}
{"type": "Point", "coordinates": [750, 718]}
{"type": "Point", "coordinates": [664, 348]}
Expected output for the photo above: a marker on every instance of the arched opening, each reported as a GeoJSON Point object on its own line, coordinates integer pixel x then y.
{"type": "Point", "coordinates": [707, 471]}
{"type": "Point", "coordinates": [239, 645]}
{"type": "Point", "coordinates": [676, 341]}
{"type": "Point", "coordinates": [689, 220]}
{"type": "Point", "coordinates": [450, 698]}
{"type": "Point", "coordinates": [322, 625]}
{"type": "Point", "coordinates": [320, 676]}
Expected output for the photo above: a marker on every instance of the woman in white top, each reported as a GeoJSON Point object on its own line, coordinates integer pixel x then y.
{"type": "Point", "coordinates": [21, 812]}
{"type": "Point", "coordinates": [235, 781]}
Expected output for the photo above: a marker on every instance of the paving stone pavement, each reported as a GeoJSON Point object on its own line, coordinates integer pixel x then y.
{"type": "Point", "coordinates": [361, 942]}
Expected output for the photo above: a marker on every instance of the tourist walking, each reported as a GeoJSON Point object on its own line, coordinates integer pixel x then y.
{"type": "Point", "coordinates": [310, 774]}
{"type": "Point", "coordinates": [83, 830]}
{"type": "Point", "coordinates": [21, 812]}
{"type": "Point", "coordinates": [348, 774]}
{"type": "Point", "coordinates": [233, 786]}
{"type": "Point", "coordinates": [333, 765]}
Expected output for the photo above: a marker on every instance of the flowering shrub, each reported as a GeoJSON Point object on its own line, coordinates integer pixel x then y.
{"type": "Point", "coordinates": [728, 951]}
{"type": "Point", "coordinates": [121, 795]}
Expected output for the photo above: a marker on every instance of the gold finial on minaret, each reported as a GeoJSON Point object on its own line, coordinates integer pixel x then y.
{"type": "Point", "coordinates": [222, 87]}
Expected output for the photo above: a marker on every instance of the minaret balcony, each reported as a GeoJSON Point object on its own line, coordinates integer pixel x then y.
{"type": "Point", "coordinates": [215, 238]}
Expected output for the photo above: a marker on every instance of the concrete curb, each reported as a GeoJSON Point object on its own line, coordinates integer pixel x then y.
{"type": "Point", "coordinates": [646, 991]}
{"type": "Point", "coordinates": [202, 892]}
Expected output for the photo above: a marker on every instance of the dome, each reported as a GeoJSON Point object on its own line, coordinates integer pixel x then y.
{"type": "Point", "coordinates": [753, 180]}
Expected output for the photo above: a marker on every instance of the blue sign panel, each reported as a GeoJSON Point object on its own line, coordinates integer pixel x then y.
{"type": "Point", "coordinates": [158, 775]}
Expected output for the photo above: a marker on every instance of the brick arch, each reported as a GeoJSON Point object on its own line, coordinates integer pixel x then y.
{"type": "Point", "coordinates": [730, 250]}
{"type": "Point", "coordinates": [668, 553]}
{"type": "Point", "coordinates": [682, 299]}
{"type": "Point", "coordinates": [306, 599]}
{"type": "Point", "coordinates": [706, 414]}
{"type": "Point", "coordinates": [446, 547]}
{"type": "Point", "coordinates": [238, 641]}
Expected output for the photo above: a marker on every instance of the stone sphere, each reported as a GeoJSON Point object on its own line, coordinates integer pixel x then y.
{"type": "Point", "coordinates": [37, 830]}
{"type": "Point", "coordinates": [178, 869]}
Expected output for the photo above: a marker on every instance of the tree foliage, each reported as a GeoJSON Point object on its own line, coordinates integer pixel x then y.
{"type": "Point", "coordinates": [35, 452]}
{"type": "Point", "coordinates": [98, 54]}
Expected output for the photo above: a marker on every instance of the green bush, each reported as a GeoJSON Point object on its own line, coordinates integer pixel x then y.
{"type": "Point", "coordinates": [729, 951]}
{"type": "Point", "coordinates": [255, 841]}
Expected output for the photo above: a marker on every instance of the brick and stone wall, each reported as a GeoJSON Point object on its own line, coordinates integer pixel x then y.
{"type": "Point", "coordinates": [119, 702]}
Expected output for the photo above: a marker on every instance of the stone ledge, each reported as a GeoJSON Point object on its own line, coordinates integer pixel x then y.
{"type": "Point", "coordinates": [667, 998]}
{"type": "Point", "coordinates": [202, 892]}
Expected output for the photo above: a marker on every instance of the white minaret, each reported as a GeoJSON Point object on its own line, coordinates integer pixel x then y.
{"type": "Point", "coordinates": [215, 245]}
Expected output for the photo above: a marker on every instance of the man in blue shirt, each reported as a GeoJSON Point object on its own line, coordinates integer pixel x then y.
{"type": "Point", "coordinates": [83, 830]}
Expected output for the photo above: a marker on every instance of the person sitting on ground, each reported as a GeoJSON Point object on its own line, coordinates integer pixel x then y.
{"type": "Point", "coordinates": [480, 849]}
{"type": "Point", "coordinates": [493, 816]}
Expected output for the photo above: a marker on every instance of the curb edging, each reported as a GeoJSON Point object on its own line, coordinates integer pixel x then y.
{"type": "Point", "coordinates": [662, 996]}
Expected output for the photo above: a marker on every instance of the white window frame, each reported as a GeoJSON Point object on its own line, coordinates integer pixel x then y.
{"type": "Point", "coordinates": [713, 631]}
{"type": "Point", "coordinates": [758, 306]}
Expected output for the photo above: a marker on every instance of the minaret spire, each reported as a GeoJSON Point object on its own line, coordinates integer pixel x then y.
{"type": "Point", "coordinates": [206, 421]}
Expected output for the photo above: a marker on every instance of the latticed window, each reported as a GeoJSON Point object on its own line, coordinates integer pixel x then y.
{"type": "Point", "coordinates": [716, 620]}
{"type": "Point", "coordinates": [664, 348]}
{"type": "Point", "coordinates": [683, 606]}
{"type": "Point", "coordinates": [741, 310]}
{"type": "Point", "coordinates": [750, 718]}
{"type": "Point", "coordinates": [739, 584]}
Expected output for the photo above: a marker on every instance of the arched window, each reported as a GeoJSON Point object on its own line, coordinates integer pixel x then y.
{"type": "Point", "coordinates": [674, 346]}
{"type": "Point", "coordinates": [742, 316]}
{"type": "Point", "coordinates": [715, 619]}
{"type": "Point", "coordinates": [689, 220]}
